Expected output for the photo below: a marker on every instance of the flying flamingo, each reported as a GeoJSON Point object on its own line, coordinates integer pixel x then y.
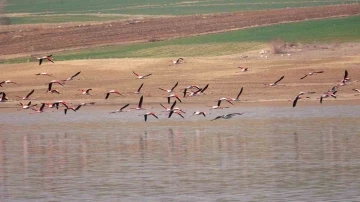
{"type": "Point", "coordinates": [72, 108]}
{"type": "Point", "coordinates": [8, 81]}
{"type": "Point", "coordinates": [138, 90]}
{"type": "Point", "coordinates": [237, 97]}
{"type": "Point", "coordinates": [44, 74]}
{"type": "Point", "coordinates": [112, 91]}
{"type": "Point", "coordinates": [27, 96]}
{"type": "Point", "coordinates": [57, 81]}
{"type": "Point", "coordinates": [227, 116]}
{"type": "Point", "coordinates": [330, 93]}
{"type": "Point", "coordinates": [200, 91]}
{"type": "Point", "coordinates": [170, 90]}
{"type": "Point", "coordinates": [299, 96]}
{"type": "Point", "coordinates": [172, 108]}
{"type": "Point", "coordinates": [175, 62]}
{"type": "Point", "coordinates": [25, 106]}
{"type": "Point", "coordinates": [86, 91]}
{"type": "Point", "coordinates": [72, 77]}
{"type": "Point", "coordinates": [3, 97]}
{"type": "Point", "coordinates": [176, 112]}
{"type": "Point", "coordinates": [39, 110]}
{"type": "Point", "coordinates": [139, 107]}
{"type": "Point", "coordinates": [243, 69]}
{"type": "Point", "coordinates": [173, 95]}
{"type": "Point", "coordinates": [226, 99]}
{"type": "Point", "coordinates": [199, 113]}
{"type": "Point", "coordinates": [276, 82]}
{"type": "Point", "coordinates": [150, 113]}
{"type": "Point", "coordinates": [311, 73]}
{"type": "Point", "coordinates": [141, 77]}
{"type": "Point", "coordinates": [120, 110]}
{"type": "Point", "coordinates": [356, 90]}
{"type": "Point", "coordinates": [47, 57]}
{"type": "Point", "coordinates": [217, 106]}
{"type": "Point", "coordinates": [345, 79]}
{"type": "Point", "coordinates": [49, 90]}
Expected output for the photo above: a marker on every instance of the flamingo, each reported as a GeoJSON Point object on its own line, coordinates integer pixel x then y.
{"type": "Point", "coordinates": [356, 90]}
{"type": "Point", "coordinates": [200, 91]}
{"type": "Point", "coordinates": [138, 90]}
{"type": "Point", "coordinates": [226, 99]}
{"type": "Point", "coordinates": [57, 81]}
{"type": "Point", "coordinates": [217, 106]}
{"type": "Point", "coordinates": [72, 77]}
{"type": "Point", "coordinates": [150, 113]}
{"type": "Point", "coordinates": [227, 116]}
{"type": "Point", "coordinates": [172, 108]}
{"type": "Point", "coordinates": [243, 69]}
{"type": "Point", "coordinates": [72, 108]}
{"type": "Point", "coordinates": [49, 90]}
{"type": "Point", "coordinates": [311, 73]}
{"type": "Point", "coordinates": [173, 95]}
{"type": "Point", "coordinates": [25, 106]}
{"type": "Point", "coordinates": [276, 82]}
{"type": "Point", "coordinates": [47, 57]}
{"type": "Point", "coordinates": [44, 74]}
{"type": "Point", "coordinates": [86, 91]}
{"type": "Point", "coordinates": [87, 103]}
{"type": "Point", "coordinates": [345, 79]}
{"type": "Point", "coordinates": [27, 96]}
{"type": "Point", "coordinates": [112, 91]}
{"type": "Point", "coordinates": [237, 97]}
{"type": "Point", "coordinates": [330, 93]}
{"type": "Point", "coordinates": [175, 62]}
{"type": "Point", "coordinates": [39, 110]}
{"type": "Point", "coordinates": [3, 97]}
{"type": "Point", "coordinates": [139, 107]}
{"type": "Point", "coordinates": [8, 81]}
{"type": "Point", "coordinates": [141, 77]}
{"type": "Point", "coordinates": [120, 110]}
{"type": "Point", "coordinates": [170, 90]}
{"type": "Point", "coordinates": [298, 97]}
{"type": "Point", "coordinates": [199, 113]}
{"type": "Point", "coordinates": [176, 112]}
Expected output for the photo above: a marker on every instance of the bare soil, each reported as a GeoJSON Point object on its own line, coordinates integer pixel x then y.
{"type": "Point", "coordinates": [18, 40]}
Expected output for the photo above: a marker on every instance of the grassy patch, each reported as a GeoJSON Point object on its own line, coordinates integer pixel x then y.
{"type": "Point", "coordinates": [329, 30]}
{"type": "Point", "coordinates": [157, 7]}
{"type": "Point", "coordinates": [60, 19]}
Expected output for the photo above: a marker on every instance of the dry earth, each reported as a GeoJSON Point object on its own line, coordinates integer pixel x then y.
{"type": "Point", "coordinates": [221, 73]}
{"type": "Point", "coordinates": [20, 40]}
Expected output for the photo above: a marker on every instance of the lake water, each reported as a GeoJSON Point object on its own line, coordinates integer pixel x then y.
{"type": "Point", "coordinates": [267, 154]}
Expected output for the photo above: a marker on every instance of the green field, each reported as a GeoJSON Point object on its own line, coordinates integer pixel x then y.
{"type": "Point", "coordinates": [61, 19]}
{"type": "Point", "coordinates": [157, 7]}
{"type": "Point", "coordinates": [329, 30]}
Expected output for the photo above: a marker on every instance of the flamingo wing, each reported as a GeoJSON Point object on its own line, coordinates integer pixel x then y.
{"type": "Point", "coordinates": [141, 101]}
{"type": "Point", "coordinates": [140, 87]}
{"type": "Point", "coordinates": [174, 86]}
{"type": "Point", "coordinates": [207, 85]}
{"type": "Point", "coordinates": [295, 100]}
{"type": "Point", "coordinates": [28, 95]}
{"type": "Point", "coordinates": [241, 90]}
{"type": "Point", "coordinates": [346, 74]}
{"type": "Point", "coordinates": [173, 105]}
{"type": "Point", "coordinates": [75, 75]}
{"type": "Point", "coordinates": [279, 80]}
{"type": "Point", "coordinates": [107, 96]}
{"type": "Point", "coordinates": [304, 76]}
{"type": "Point", "coordinates": [124, 107]}
{"type": "Point", "coordinates": [135, 73]}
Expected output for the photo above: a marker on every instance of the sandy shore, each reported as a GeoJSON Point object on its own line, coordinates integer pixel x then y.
{"type": "Point", "coordinates": [221, 73]}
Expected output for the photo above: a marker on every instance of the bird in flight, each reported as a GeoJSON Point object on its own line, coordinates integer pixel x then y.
{"type": "Point", "coordinates": [227, 116]}
{"type": "Point", "coordinates": [150, 113]}
{"type": "Point", "coordinates": [276, 82]}
{"type": "Point", "coordinates": [299, 96]}
{"type": "Point", "coordinates": [141, 77]}
{"type": "Point", "coordinates": [47, 57]}
{"type": "Point", "coordinates": [72, 77]}
{"type": "Point", "coordinates": [170, 90]}
{"type": "Point", "coordinates": [120, 110]}
{"type": "Point", "coordinates": [311, 73]}
{"type": "Point", "coordinates": [175, 62]}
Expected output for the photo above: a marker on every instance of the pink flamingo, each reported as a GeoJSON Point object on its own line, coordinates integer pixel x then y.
{"type": "Point", "coordinates": [311, 73]}
{"type": "Point", "coordinates": [47, 57]}
{"type": "Point", "coordinates": [27, 96]}
{"type": "Point", "coordinates": [120, 110]}
{"type": "Point", "coordinates": [276, 82]}
{"type": "Point", "coordinates": [150, 113]}
{"type": "Point", "coordinates": [141, 77]}
{"type": "Point", "coordinates": [44, 74]}
{"type": "Point", "coordinates": [170, 90]}
{"type": "Point", "coordinates": [112, 91]}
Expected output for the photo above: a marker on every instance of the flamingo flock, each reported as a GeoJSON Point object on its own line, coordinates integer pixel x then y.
{"type": "Point", "coordinates": [171, 95]}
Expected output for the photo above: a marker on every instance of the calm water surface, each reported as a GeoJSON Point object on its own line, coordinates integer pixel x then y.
{"type": "Point", "coordinates": [267, 154]}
